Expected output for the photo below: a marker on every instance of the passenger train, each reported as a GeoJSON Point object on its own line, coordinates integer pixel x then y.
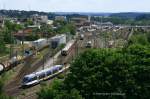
{"type": "Point", "coordinates": [36, 77]}
{"type": "Point", "coordinates": [68, 48]}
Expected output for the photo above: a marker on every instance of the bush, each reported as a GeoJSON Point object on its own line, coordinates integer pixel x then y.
{"type": "Point", "coordinates": [109, 71]}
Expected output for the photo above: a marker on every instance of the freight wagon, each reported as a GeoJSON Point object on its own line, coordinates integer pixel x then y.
{"type": "Point", "coordinates": [40, 43]}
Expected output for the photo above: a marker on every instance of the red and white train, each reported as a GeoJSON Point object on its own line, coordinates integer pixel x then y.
{"type": "Point", "coordinates": [68, 48]}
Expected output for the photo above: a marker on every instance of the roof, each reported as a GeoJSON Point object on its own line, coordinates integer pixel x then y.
{"type": "Point", "coordinates": [42, 71]}
{"type": "Point", "coordinates": [58, 36]}
{"type": "Point", "coordinates": [1, 67]}
{"type": "Point", "coordinates": [39, 40]}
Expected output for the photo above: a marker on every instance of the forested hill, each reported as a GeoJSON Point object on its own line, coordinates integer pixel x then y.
{"type": "Point", "coordinates": [23, 14]}
{"type": "Point", "coordinates": [133, 15]}
{"type": "Point", "coordinates": [126, 15]}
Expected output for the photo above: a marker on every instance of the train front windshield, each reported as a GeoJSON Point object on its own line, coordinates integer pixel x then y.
{"type": "Point", "coordinates": [64, 53]}
{"type": "Point", "coordinates": [26, 80]}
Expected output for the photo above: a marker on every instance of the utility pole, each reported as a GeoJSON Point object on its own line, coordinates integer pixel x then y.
{"type": "Point", "coordinates": [76, 46]}
{"type": "Point", "coordinates": [11, 45]}
{"type": "Point", "coordinates": [43, 62]}
{"type": "Point", "coordinates": [23, 43]}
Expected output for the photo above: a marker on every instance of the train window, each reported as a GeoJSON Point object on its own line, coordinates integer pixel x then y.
{"type": "Point", "coordinates": [34, 78]}
{"type": "Point", "coordinates": [64, 53]}
{"type": "Point", "coordinates": [25, 80]}
{"type": "Point", "coordinates": [49, 72]}
{"type": "Point", "coordinates": [55, 70]}
{"type": "Point", "coordinates": [60, 68]}
{"type": "Point", "coordinates": [42, 75]}
{"type": "Point", "coordinates": [28, 79]}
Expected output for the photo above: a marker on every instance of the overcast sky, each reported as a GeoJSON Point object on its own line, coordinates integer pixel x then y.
{"type": "Point", "coordinates": [78, 5]}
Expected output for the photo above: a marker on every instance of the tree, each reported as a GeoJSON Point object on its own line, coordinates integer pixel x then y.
{"type": "Point", "coordinates": [55, 92]}
{"type": "Point", "coordinates": [109, 71]}
{"type": "Point", "coordinates": [2, 95]}
{"type": "Point", "coordinates": [8, 31]}
{"type": "Point", "coordinates": [2, 46]}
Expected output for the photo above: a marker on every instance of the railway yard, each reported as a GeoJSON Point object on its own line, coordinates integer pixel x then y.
{"type": "Point", "coordinates": [46, 58]}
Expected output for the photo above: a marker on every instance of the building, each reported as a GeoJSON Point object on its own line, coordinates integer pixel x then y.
{"type": "Point", "coordinates": [50, 22]}
{"type": "Point", "coordinates": [2, 18]}
{"type": "Point", "coordinates": [58, 40]}
{"type": "Point", "coordinates": [79, 21]}
{"type": "Point", "coordinates": [60, 18]}
{"type": "Point", "coordinates": [38, 19]}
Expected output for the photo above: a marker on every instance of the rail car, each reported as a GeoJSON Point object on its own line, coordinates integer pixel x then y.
{"type": "Point", "coordinates": [81, 36]}
{"type": "Point", "coordinates": [110, 44]}
{"type": "Point", "coordinates": [40, 44]}
{"type": "Point", "coordinates": [68, 48]}
{"type": "Point", "coordinates": [10, 63]}
{"type": "Point", "coordinates": [37, 77]}
{"type": "Point", "coordinates": [88, 44]}
{"type": "Point", "coordinates": [14, 61]}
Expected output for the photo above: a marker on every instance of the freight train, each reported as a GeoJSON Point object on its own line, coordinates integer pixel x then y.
{"type": "Point", "coordinates": [10, 63]}
{"type": "Point", "coordinates": [40, 44]}
{"type": "Point", "coordinates": [37, 77]}
{"type": "Point", "coordinates": [68, 48]}
{"type": "Point", "coordinates": [14, 61]}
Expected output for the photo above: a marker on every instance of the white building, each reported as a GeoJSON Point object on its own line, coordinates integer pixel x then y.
{"type": "Point", "coordinates": [58, 40]}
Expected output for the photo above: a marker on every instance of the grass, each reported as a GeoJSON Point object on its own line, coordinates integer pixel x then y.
{"type": "Point", "coordinates": [7, 75]}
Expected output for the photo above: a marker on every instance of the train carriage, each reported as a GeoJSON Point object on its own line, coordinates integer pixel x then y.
{"type": "Point", "coordinates": [68, 48]}
{"type": "Point", "coordinates": [14, 61]}
{"type": "Point", "coordinates": [36, 77]}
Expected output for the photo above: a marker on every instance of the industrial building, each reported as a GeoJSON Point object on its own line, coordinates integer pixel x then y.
{"type": "Point", "coordinates": [58, 40]}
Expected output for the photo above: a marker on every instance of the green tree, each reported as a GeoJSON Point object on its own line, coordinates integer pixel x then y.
{"type": "Point", "coordinates": [110, 71]}
{"type": "Point", "coordinates": [2, 95]}
{"type": "Point", "coordinates": [55, 92]}
{"type": "Point", "coordinates": [2, 46]}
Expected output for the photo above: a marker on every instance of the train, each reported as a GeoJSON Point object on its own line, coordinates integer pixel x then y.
{"type": "Point", "coordinates": [14, 61]}
{"type": "Point", "coordinates": [10, 63]}
{"type": "Point", "coordinates": [88, 44]}
{"type": "Point", "coordinates": [110, 44]}
{"type": "Point", "coordinates": [68, 48]}
{"type": "Point", "coordinates": [40, 44]}
{"type": "Point", "coordinates": [81, 36]}
{"type": "Point", "coordinates": [37, 77]}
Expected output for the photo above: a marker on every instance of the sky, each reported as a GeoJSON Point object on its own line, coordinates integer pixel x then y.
{"type": "Point", "coordinates": [77, 5]}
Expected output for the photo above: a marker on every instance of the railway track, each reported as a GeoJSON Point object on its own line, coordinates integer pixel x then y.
{"type": "Point", "coordinates": [14, 87]}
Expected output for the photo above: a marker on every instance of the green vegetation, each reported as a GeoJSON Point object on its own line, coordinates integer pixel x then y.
{"type": "Point", "coordinates": [32, 37]}
{"type": "Point", "coordinates": [99, 73]}
{"type": "Point", "coordinates": [3, 79]}
{"type": "Point", "coordinates": [140, 37]}
{"type": "Point", "coordinates": [55, 92]}
{"type": "Point", "coordinates": [2, 95]}
{"type": "Point", "coordinates": [123, 20]}
{"type": "Point", "coordinates": [2, 47]}
{"type": "Point", "coordinates": [8, 30]}
{"type": "Point", "coordinates": [6, 36]}
{"type": "Point", "coordinates": [64, 27]}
